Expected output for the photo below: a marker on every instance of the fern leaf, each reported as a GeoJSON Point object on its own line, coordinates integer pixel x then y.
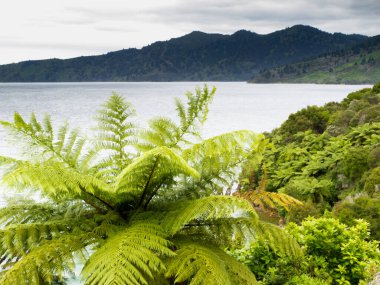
{"type": "Point", "coordinates": [208, 209]}
{"type": "Point", "coordinates": [115, 133]}
{"type": "Point", "coordinates": [45, 262]}
{"type": "Point", "coordinates": [278, 239]}
{"type": "Point", "coordinates": [161, 132]}
{"type": "Point", "coordinates": [131, 256]}
{"type": "Point", "coordinates": [200, 265]}
{"type": "Point", "coordinates": [147, 172]}
{"type": "Point", "coordinates": [269, 200]}
{"type": "Point", "coordinates": [219, 159]}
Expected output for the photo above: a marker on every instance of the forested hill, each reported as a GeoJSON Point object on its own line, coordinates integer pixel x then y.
{"type": "Point", "coordinates": [359, 64]}
{"type": "Point", "coordinates": [194, 57]}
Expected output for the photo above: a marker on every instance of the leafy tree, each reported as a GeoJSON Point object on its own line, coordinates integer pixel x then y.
{"type": "Point", "coordinates": [135, 206]}
{"type": "Point", "coordinates": [311, 118]}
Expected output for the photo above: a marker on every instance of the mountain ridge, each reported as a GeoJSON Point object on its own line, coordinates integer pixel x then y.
{"type": "Point", "coordinates": [358, 64]}
{"type": "Point", "coordinates": [196, 56]}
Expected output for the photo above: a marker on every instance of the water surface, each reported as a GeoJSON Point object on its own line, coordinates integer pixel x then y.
{"type": "Point", "coordinates": [237, 105]}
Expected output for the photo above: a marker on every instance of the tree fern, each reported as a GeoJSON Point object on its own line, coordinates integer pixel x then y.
{"type": "Point", "coordinates": [137, 206]}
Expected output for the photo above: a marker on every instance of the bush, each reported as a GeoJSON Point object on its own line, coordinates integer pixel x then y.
{"type": "Point", "coordinates": [270, 267]}
{"type": "Point", "coordinates": [342, 251]}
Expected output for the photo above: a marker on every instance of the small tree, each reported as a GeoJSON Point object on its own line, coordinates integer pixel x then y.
{"type": "Point", "coordinates": [136, 206]}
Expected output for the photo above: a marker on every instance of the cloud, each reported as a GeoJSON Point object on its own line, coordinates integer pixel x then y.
{"type": "Point", "coordinates": [72, 27]}
{"type": "Point", "coordinates": [265, 16]}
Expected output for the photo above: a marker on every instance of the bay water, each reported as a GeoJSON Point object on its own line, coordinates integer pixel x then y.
{"type": "Point", "coordinates": [236, 105]}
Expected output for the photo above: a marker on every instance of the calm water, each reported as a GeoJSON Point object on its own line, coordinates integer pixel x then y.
{"type": "Point", "coordinates": [237, 105]}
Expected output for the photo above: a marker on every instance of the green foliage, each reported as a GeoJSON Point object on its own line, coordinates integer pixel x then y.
{"type": "Point", "coordinates": [342, 251]}
{"type": "Point", "coordinates": [135, 206]}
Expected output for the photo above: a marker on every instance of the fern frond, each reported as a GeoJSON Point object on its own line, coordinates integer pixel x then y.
{"type": "Point", "coordinates": [271, 201]}
{"type": "Point", "coordinates": [195, 113]}
{"type": "Point", "coordinates": [144, 175]}
{"type": "Point", "coordinates": [42, 264]}
{"type": "Point", "coordinates": [56, 181]}
{"type": "Point", "coordinates": [131, 256]}
{"type": "Point", "coordinates": [66, 147]}
{"type": "Point", "coordinates": [115, 134]}
{"type": "Point", "coordinates": [161, 132]}
{"type": "Point", "coordinates": [17, 240]}
{"type": "Point", "coordinates": [208, 210]}
{"type": "Point", "coordinates": [21, 213]}
{"type": "Point", "coordinates": [196, 264]}
{"type": "Point", "coordinates": [223, 231]}
{"type": "Point", "coordinates": [164, 132]}
{"type": "Point", "coordinates": [278, 240]}
{"type": "Point", "coordinates": [219, 159]}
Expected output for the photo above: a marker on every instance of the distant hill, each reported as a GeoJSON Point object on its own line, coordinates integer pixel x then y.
{"type": "Point", "coordinates": [194, 57]}
{"type": "Point", "coordinates": [359, 64]}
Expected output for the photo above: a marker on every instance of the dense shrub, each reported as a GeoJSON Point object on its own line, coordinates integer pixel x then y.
{"type": "Point", "coordinates": [344, 252]}
{"type": "Point", "coordinates": [269, 266]}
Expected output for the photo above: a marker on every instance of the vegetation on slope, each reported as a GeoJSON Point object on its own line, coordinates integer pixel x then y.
{"type": "Point", "coordinates": [193, 57]}
{"type": "Point", "coordinates": [328, 158]}
{"type": "Point", "coordinates": [357, 65]}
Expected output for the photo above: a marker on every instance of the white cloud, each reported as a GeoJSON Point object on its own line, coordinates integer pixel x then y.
{"type": "Point", "coordinates": [43, 29]}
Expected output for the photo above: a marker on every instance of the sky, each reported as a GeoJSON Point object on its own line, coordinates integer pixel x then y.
{"type": "Point", "coordinates": [42, 29]}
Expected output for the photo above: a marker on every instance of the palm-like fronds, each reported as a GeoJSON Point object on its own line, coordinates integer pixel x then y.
{"type": "Point", "coordinates": [138, 207]}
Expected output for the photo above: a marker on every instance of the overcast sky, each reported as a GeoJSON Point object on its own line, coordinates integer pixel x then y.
{"type": "Point", "coordinates": [42, 29]}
